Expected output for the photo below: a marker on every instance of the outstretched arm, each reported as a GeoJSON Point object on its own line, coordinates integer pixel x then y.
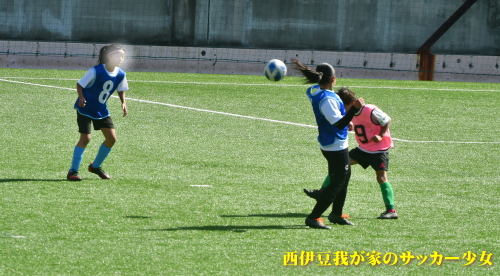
{"type": "Point", "coordinates": [342, 123]}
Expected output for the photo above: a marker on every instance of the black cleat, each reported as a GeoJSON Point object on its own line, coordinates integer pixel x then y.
{"type": "Point", "coordinates": [338, 220]}
{"type": "Point", "coordinates": [73, 176]}
{"type": "Point", "coordinates": [316, 223]}
{"type": "Point", "coordinates": [312, 193]}
{"type": "Point", "coordinates": [99, 172]}
{"type": "Point", "coordinates": [388, 215]}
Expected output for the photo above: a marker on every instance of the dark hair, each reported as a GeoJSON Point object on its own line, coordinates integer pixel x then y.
{"type": "Point", "coordinates": [322, 75]}
{"type": "Point", "coordinates": [347, 96]}
{"type": "Point", "coordinates": [103, 53]}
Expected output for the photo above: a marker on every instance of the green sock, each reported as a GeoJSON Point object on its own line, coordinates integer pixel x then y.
{"type": "Point", "coordinates": [387, 195]}
{"type": "Point", "coordinates": [325, 183]}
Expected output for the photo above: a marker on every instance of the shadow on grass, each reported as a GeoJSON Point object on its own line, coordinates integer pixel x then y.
{"type": "Point", "coordinates": [289, 215]}
{"type": "Point", "coordinates": [243, 228]}
{"type": "Point", "coordinates": [285, 215]}
{"type": "Point", "coordinates": [234, 228]}
{"type": "Point", "coordinates": [137, 217]}
{"type": "Point", "coordinates": [30, 180]}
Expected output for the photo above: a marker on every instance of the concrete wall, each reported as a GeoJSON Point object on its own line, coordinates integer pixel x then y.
{"type": "Point", "coordinates": [220, 60]}
{"type": "Point", "coordinates": [389, 26]}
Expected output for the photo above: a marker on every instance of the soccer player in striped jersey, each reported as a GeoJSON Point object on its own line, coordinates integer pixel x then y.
{"type": "Point", "coordinates": [371, 128]}
{"type": "Point", "coordinates": [94, 90]}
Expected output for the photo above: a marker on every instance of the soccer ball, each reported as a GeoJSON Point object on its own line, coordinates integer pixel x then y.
{"type": "Point", "coordinates": [275, 70]}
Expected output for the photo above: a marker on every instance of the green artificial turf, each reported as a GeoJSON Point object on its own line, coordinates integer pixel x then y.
{"type": "Point", "coordinates": [207, 178]}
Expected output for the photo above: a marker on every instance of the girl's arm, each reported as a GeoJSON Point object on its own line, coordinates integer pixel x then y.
{"type": "Point", "coordinates": [79, 89]}
{"type": "Point", "coordinates": [83, 82]}
{"type": "Point", "coordinates": [121, 94]}
{"type": "Point", "coordinates": [378, 138]}
{"type": "Point", "coordinates": [384, 120]}
{"type": "Point", "coordinates": [342, 123]}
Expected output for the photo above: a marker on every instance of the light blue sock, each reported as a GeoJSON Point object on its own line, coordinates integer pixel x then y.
{"type": "Point", "coordinates": [101, 155]}
{"type": "Point", "coordinates": [77, 158]}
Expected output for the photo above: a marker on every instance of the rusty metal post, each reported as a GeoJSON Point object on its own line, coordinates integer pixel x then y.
{"type": "Point", "coordinates": [427, 61]}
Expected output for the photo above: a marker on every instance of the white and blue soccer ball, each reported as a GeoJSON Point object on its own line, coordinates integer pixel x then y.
{"type": "Point", "coordinates": [275, 70]}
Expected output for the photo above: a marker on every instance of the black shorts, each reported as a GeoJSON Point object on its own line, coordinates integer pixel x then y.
{"type": "Point", "coordinates": [378, 161]}
{"type": "Point", "coordinates": [84, 123]}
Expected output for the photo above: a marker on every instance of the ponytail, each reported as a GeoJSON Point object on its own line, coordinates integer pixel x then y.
{"type": "Point", "coordinates": [322, 75]}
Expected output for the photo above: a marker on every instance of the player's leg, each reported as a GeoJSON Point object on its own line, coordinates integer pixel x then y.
{"type": "Point", "coordinates": [316, 193]}
{"type": "Point", "coordinates": [381, 164]}
{"type": "Point", "coordinates": [336, 215]}
{"type": "Point", "coordinates": [326, 182]}
{"type": "Point", "coordinates": [102, 154]}
{"type": "Point", "coordinates": [76, 161]}
{"type": "Point", "coordinates": [386, 189]}
{"type": "Point", "coordinates": [338, 169]}
{"type": "Point", "coordinates": [107, 128]}
{"type": "Point", "coordinates": [84, 140]}
{"type": "Point", "coordinates": [84, 127]}
{"type": "Point", "coordinates": [381, 176]}
{"type": "Point", "coordinates": [109, 137]}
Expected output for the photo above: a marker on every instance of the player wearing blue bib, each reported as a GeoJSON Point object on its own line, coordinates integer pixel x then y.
{"type": "Point", "coordinates": [332, 120]}
{"type": "Point", "coordinates": [94, 90]}
{"type": "Point", "coordinates": [328, 133]}
{"type": "Point", "coordinates": [97, 93]}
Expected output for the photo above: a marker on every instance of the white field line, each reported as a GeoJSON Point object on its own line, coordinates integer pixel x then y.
{"type": "Point", "coordinates": [269, 84]}
{"type": "Point", "coordinates": [7, 235]}
{"type": "Point", "coordinates": [202, 186]}
{"type": "Point", "coordinates": [243, 116]}
{"type": "Point", "coordinates": [448, 142]}
{"type": "Point", "coordinates": [222, 113]}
